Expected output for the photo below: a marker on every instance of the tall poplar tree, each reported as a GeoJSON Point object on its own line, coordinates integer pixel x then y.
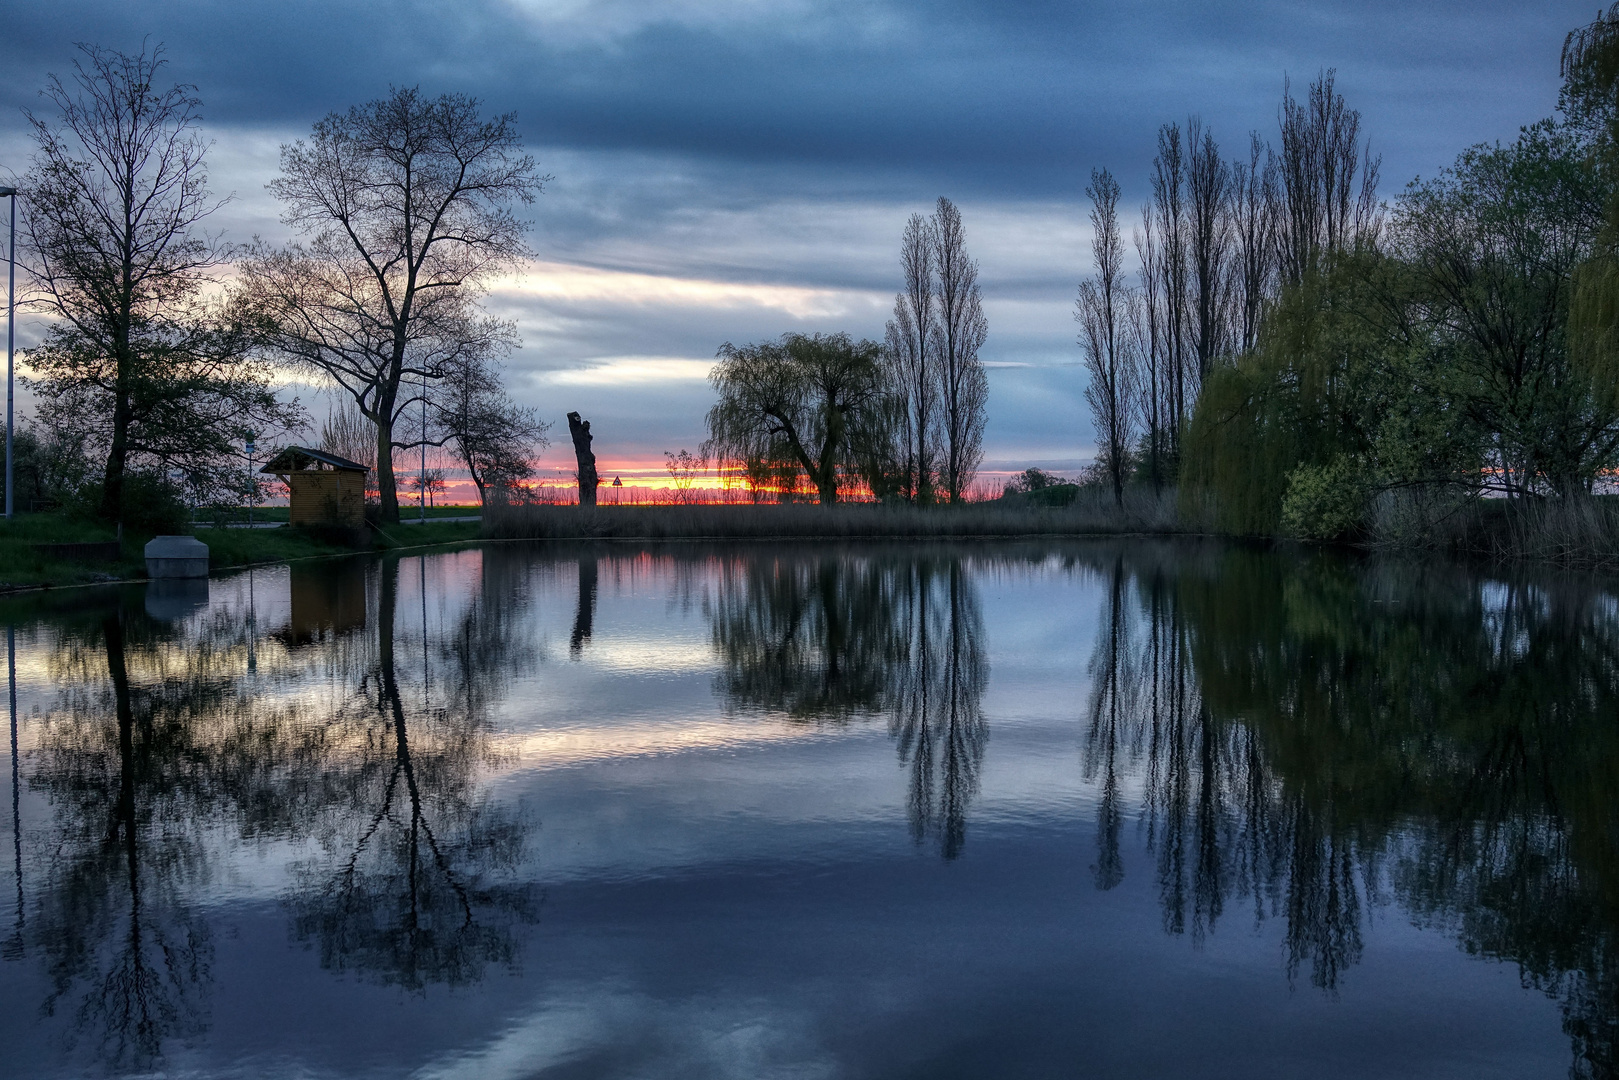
{"type": "Point", "coordinates": [962, 330]}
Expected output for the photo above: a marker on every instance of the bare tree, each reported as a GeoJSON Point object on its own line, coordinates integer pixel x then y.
{"type": "Point", "coordinates": [1255, 199]}
{"type": "Point", "coordinates": [685, 469]}
{"type": "Point", "coordinates": [1150, 335]}
{"type": "Point", "coordinates": [349, 434]}
{"type": "Point", "coordinates": [961, 331]}
{"type": "Point", "coordinates": [1102, 312]}
{"type": "Point", "coordinates": [910, 342]}
{"type": "Point", "coordinates": [494, 437]}
{"type": "Point", "coordinates": [1169, 207]}
{"type": "Point", "coordinates": [406, 206]}
{"type": "Point", "coordinates": [1322, 157]}
{"type": "Point", "coordinates": [114, 204]}
{"type": "Point", "coordinates": [1208, 185]}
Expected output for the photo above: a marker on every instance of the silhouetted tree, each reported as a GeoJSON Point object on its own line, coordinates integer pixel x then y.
{"type": "Point", "coordinates": [1103, 312]}
{"type": "Point", "coordinates": [961, 331]}
{"type": "Point", "coordinates": [137, 361]}
{"type": "Point", "coordinates": [406, 206]}
{"type": "Point", "coordinates": [911, 343]}
{"type": "Point", "coordinates": [816, 403]}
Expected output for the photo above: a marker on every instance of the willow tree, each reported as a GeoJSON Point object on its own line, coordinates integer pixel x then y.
{"type": "Point", "coordinates": [1590, 98]}
{"type": "Point", "coordinates": [405, 206]}
{"type": "Point", "coordinates": [816, 403]}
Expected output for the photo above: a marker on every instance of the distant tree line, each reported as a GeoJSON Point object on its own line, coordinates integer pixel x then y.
{"type": "Point", "coordinates": [1301, 358]}
{"type": "Point", "coordinates": [824, 414]}
{"type": "Point", "coordinates": [154, 373]}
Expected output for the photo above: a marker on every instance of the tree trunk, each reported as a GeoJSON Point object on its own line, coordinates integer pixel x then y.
{"type": "Point", "coordinates": [825, 474]}
{"type": "Point", "coordinates": [387, 490]}
{"type": "Point", "coordinates": [580, 430]}
{"type": "Point", "coordinates": [112, 482]}
{"type": "Point", "coordinates": [584, 615]}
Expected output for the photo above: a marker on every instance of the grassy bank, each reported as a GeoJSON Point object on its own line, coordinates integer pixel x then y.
{"type": "Point", "coordinates": [24, 566]}
{"type": "Point", "coordinates": [239, 547]}
{"type": "Point", "coordinates": [408, 511]}
{"type": "Point", "coordinates": [1088, 516]}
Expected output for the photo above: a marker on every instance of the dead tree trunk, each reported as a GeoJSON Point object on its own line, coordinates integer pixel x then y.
{"type": "Point", "coordinates": [580, 430]}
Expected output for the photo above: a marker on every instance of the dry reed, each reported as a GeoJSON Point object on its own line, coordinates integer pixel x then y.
{"type": "Point", "coordinates": [1088, 516]}
{"type": "Point", "coordinates": [1577, 533]}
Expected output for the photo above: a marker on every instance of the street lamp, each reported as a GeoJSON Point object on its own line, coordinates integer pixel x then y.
{"type": "Point", "coordinates": [252, 489]}
{"type": "Point", "coordinates": [11, 338]}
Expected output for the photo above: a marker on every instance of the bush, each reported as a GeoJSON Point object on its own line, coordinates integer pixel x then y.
{"type": "Point", "coordinates": [153, 506]}
{"type": "Point", "coordinates": [1324, 502]}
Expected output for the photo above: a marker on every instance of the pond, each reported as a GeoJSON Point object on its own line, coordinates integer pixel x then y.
{"type": "Point", "coordinates": [1101, 809]}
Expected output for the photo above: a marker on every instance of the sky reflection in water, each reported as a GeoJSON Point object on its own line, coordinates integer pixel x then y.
{"type": "Point", "coordinates": [816, 812]}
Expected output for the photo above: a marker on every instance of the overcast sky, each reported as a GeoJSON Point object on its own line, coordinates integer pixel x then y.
{"type": "Point", "coordinates": [726, 170]}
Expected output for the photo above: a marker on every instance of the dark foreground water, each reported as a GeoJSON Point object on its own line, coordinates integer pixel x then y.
{"type": "Point", "coordinates": [974, 811]}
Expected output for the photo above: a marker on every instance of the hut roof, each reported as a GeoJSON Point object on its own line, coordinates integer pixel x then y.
{"type": "Point", "coordinates": [300, 459]}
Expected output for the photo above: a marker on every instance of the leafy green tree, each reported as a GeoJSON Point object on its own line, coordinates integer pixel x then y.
{"type": "Point", "coordinates": [1436, 361]}
{"type": "Point", "coordinates": [1494, 242]}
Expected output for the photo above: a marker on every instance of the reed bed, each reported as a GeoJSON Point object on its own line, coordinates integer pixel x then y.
{"type": "Point", "coordinates": [1579, 533]}
{"type": "Point", "coordinates": [1088, 516]}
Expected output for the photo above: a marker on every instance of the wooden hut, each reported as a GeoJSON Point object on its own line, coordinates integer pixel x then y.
{"type": "Point", "coordinates": [323, 489]}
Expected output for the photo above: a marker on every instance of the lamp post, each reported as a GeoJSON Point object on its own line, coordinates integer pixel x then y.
{"type": "Point", "coordinates": [11, 338]}
{"type": "Point", "coordinates": [252, 488]}
{"type": "Point", "coordinates": [421, 479]}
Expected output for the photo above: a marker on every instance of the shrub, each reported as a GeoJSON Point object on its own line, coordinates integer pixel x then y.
{"type": "Point", "coordinates": [1324, 502]}
{"type": "Point", "coordinates": [153, 505]}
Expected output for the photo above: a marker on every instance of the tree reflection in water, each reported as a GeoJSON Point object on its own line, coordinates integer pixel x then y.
{"type": "Point", "coordinates": [936, 716]}
{"type": "Point", "coordinates": [401, 893]}
{"type": "Point", "coordinates": [584, 612]}
{"type": "Point", "coordinates": [1300, 741]}
{"type": "Point", "coordinates": [1340, 734]}
{"type": "Point", "coordinates": [828, 638]}
{"type": "Point", "coordinates": [163, 751]}
{"type": "Point", "coordinates": [114, 921]}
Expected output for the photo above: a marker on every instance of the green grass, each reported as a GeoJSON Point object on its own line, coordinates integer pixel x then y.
{"type": "Point", "coordinates": [407, 512]}
{"type": "Point", "coordinates": [22, 567]}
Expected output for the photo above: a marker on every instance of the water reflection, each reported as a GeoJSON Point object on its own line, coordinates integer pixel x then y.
{"type": "Point", "coordinates": [158, 740]}
{"type": "Point", "coordinates": [327, 598]}
{"type": "Point", "coordinates": [1342, 735]}
{"type": "Point", "coordinates": [937, 717]}
{"type": "Point", "coordinates": [130, 779]}
{"type": "Point", "coordinates": [1273, 749]}
{"type": "Point", "coordinates": [584, 616]}
{"type": "Point", "coordinates": [401, 892]}
{"type": "Point", "coordinates": [834, 637]}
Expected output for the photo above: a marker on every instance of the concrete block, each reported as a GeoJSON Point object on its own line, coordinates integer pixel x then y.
{"type": "Point", "coordinates": [176, 557]}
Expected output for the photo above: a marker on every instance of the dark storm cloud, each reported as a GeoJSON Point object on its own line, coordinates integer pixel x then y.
{"type": "Point", "coordinates": [994, 98]}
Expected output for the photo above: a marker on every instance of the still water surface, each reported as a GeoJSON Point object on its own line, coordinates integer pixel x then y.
{"type": "Point", "coordinates": [894, 811]}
